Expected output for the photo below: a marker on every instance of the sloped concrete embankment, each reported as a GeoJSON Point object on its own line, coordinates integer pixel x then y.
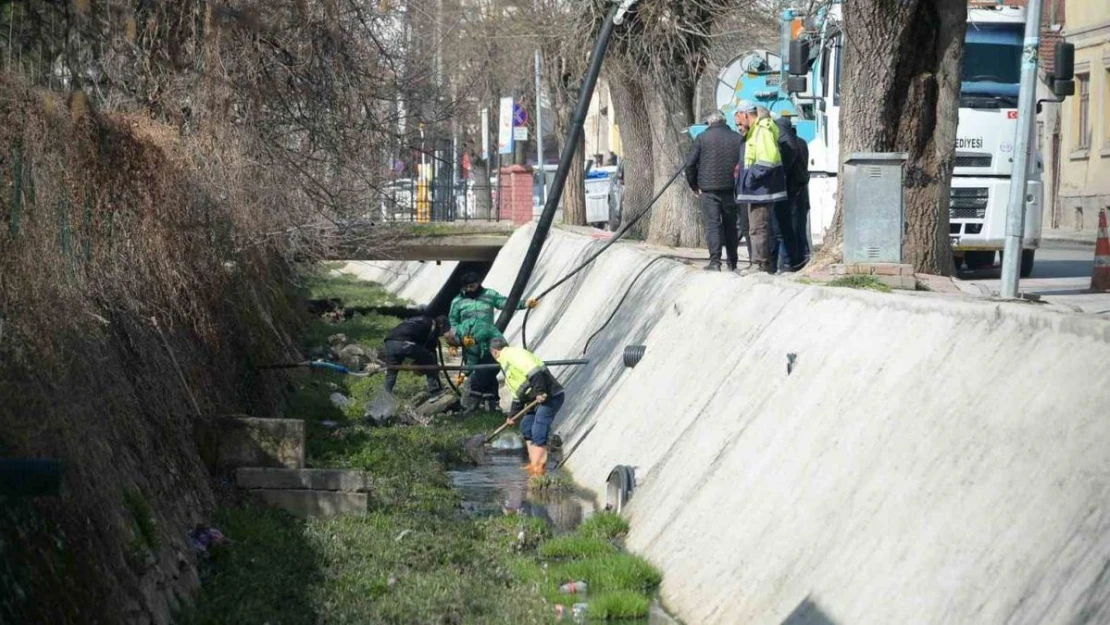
{"type": "Point", "coordinates": [411, 280]}
{"type": "Point", "coordinates": [929, 460]}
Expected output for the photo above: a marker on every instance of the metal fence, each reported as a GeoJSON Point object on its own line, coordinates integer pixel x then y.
{"type": "Point", "coordinates": [420, 201]}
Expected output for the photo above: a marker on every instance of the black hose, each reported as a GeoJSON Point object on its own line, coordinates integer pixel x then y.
{"type": "Point", "coordinates": [543, 225]}
{"type": "Point", "coordinates": [616, 237]}
{"type": "Point", "coordinates": [633, 354]}
{"type": "Point", "coordinates": [627, 291]}
{"type": "Point", "coordinates": [446, 376]}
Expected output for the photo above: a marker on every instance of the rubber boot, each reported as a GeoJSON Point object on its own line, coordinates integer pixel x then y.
{"type": "Point", "coordinates": [539, 465]}
{"type": "Point", "coordinates": [528, 466]}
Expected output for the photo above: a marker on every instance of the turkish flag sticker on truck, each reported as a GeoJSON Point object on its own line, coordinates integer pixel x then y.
{"type": "Point", "coordinates": [1011, 114]}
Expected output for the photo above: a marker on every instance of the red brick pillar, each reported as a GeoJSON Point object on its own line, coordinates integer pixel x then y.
{"type": "Point", "coordinates": [516, 184]}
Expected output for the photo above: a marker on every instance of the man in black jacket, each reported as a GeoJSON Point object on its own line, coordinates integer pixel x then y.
{"type": "Point", "coordinates": [785, 252]}
{"type": "Point", "coordinates": [797, 185]}
{"type": "Point", "coordinates": [710, 172]}
{"type": "Point", "coordinates": [413, 339]}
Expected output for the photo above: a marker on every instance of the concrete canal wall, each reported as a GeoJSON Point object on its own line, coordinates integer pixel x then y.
{"type": "Point", "coordinates": [928, 460]}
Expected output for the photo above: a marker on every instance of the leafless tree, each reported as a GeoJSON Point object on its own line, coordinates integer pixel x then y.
{"type": "Point", "coordinates": [659, 56]}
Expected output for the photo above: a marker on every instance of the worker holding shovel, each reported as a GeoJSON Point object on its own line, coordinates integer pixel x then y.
{"type": "Point", "coordinates": [530, 381]}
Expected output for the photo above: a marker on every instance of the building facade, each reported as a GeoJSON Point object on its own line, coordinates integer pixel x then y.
{"type": "Point", "coordinates": [601, 129]}
{"type": "Point", "coordinates": [1084, 177]}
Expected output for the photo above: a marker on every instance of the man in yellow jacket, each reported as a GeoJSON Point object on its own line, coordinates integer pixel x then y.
{"type": "Point", "coordinates": [761, 180]}
{"type": "Point", "coordinates": [528, 379]}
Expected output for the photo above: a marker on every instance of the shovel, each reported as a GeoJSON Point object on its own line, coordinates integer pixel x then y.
{"type": "Point", "coordinates": [480, 440]}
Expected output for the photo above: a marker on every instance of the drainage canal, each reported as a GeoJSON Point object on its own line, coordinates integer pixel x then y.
{"type": "Point", "coordinates": [499, 485]}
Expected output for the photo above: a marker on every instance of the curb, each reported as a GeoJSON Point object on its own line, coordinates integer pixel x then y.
{"type": "Point", "coordinates": [1080, 237]}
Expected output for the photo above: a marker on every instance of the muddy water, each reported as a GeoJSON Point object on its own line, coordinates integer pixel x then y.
{"type": "Point", "coordinates": [499, 485]}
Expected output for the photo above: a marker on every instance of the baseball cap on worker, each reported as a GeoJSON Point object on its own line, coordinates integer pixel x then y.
{"type": "Point", "coordinates": [745, 106]}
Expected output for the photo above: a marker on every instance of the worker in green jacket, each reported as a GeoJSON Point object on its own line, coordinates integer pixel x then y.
{"type": "Point", "coordinates": [474, 336]}
{"type": "Point", "coordinates": [476, 301]}
{"type": "Point", "coordinates": [528, 379]}
{"type": "Point", "coordinates": [471, 316]}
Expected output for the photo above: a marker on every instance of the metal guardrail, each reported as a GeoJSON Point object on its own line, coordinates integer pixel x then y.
{"type": "Point", "coordinates": [409, 200]}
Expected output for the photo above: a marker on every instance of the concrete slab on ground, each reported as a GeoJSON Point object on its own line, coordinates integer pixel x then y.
{"type": "Point", "coordinates": [233, 441]}
{"type": "Point", "coordinates": [346, 480]}
{"type": "Point", "coordinates": [314, 503]}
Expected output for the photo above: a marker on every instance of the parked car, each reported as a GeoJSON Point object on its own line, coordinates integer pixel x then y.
{"type": "Point", "coordinates": [616, 197]}
{"type": "Point", "coordinates": [398, 200]}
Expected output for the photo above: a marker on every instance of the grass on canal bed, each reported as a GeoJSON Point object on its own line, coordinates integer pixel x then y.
{"type": "Point", "coordinates": [415, 557]}
{"type": "Point", "coordinates": [575, 546]}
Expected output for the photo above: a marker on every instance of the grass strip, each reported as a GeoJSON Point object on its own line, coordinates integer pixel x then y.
{"type": "Point", "coordinates": [575, 546]}
{"type": "Point", "coordinates": [604, 525]}
{"type": "Point", "coordinates": [867, 283]}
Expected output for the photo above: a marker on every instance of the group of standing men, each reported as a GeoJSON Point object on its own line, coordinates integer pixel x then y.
{"type": "Point", "coordinates": [753, 184]}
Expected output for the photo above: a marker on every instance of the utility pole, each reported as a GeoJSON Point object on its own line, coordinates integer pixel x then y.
{"type": "Point", "coordinates": [543, 224]}
{"type": "Point", "coordinates": [1027, 103]}
{"type": "Point", "coordinates": [539, 132]}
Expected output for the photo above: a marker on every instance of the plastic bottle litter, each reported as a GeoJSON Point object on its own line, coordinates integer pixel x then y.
{"type": "Point", "coordinates": [578, 612]}
{"type": "Point", "coordinates": [339, 400]}
{"type": "Point", "coordinates": [573, 588]}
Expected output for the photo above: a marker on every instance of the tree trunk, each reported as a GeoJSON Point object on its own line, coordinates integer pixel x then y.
{"type": "Point", "coordinates": [639, 174]}
{"type": "Point", "coordinates": [567, 88]}
{"type": "Point", "coordinates": [901, 91]}
{"type": "Point", "coordinates": [574, 193]}
{"type": "Point", "coordinates": [676, 219]}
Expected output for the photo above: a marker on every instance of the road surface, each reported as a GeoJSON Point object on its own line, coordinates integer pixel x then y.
{"type": "Point", "coordinates": [1061, 275]}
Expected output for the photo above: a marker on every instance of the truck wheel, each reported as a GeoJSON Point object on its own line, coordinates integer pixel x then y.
{"type": "Point", "coordinates": [978, 260]}
{"type": "Point", "coordinates": [1027, 257]}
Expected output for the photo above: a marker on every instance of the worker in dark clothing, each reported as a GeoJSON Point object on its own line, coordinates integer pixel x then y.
{"type": "Point", "coordinates": [785, 254]}
{"type": "Point", "coordinates": [797, 181]}
{"type": "Point", "coordinates": [413, 339]}
{"type": "Point", "coordinates": [710, 172]}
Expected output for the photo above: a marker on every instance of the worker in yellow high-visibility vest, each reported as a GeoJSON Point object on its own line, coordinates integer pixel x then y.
{"type": "Point", "coordinates": [528, 379]}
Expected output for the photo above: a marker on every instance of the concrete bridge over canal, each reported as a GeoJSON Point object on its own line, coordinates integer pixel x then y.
{"type": "Point", "coordinates": [466, 242]}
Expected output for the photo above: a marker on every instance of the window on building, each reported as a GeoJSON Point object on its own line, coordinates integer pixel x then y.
{"type": "Point", "coordinates": [1106, 109]}
{"type": "Point", "coordinates": [1084, 137]}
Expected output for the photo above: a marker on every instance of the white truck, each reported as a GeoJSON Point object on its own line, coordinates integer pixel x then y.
{"type": "Point", "coordinates": [986, 129]}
